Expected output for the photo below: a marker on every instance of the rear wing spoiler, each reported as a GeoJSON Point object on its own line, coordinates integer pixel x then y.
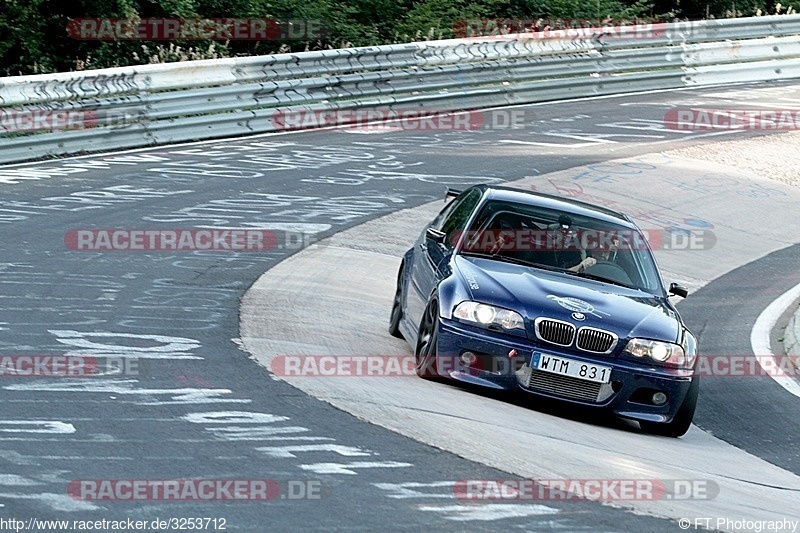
{"type": "Point", "coordinates": [452, 193]}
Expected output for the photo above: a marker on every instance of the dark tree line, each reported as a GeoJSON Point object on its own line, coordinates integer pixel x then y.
{"type": "Point", "coordinates": [34, 36]}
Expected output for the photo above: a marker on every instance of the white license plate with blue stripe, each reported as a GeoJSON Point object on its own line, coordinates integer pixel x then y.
{"type": "Point", "coordinates": [570, 367]}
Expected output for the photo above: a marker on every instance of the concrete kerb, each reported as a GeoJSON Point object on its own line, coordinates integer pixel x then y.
{"type": "Point", "coordinates": [791, 337]}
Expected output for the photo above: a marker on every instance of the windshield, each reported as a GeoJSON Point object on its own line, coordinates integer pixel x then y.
{"type": "Point", "coordinates": [573, 244]}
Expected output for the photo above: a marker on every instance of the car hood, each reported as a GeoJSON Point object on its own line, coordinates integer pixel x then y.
{"type": "Point", "coordinates": [540, 293]}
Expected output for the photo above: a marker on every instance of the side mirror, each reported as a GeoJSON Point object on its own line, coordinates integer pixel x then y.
{"type": "Point", "coordinates": [678, 290]}
{"type": "Point", "coordinates": [435, 235]}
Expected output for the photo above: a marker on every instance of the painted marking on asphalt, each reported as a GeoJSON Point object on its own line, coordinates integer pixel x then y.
{"type": "Point", "coordinates": [592, 142]}
{"type": "Point", "coordinates": [250, 432]}
{"type": "Point", "coordinates": [759, 338]}
{"type": "Point", "coordinates": [371, 130]}
{"type": "Point", "coordinates": [488, 512]}
{"type": "Point", "coordinates": [345, 468]}
{"type": "Point", "coordinates": [57, 502]}
{"type": "Point", "coordinates": [108, 295]}
{"type": "Point", "coordinates": [126, 387]}
{"type": "Point", "coordinates": [261, 433]}
{"type": "Point", "coordinates": [92, 343]}
{"type": "Point", "coordinates": [298, 227]}
{"type": "Point", "coordinates": [642, 124]}
{"type": "Point", "coordinates": [413, 489]}
{"type": "Point", "coordinates": [17, 458]}
{"type": "Point", "coordinates": [287, 452]}
{"type": "Point", "coordinates": [35, 426]}
{"type": "Point", "coordinates": [13, 480]}
{"type": "Point", "coordinates": [238, 417]}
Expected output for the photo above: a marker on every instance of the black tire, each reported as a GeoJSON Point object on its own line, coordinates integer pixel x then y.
{"type": "Point", "coordinates": [683, 418]}
{"type": "Point", "coordinates": [397, 308]}
{"type": "Point", "coordinates": [427, 341]}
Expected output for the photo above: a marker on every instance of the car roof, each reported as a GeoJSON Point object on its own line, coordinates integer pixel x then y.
{"type": "Point", "coordinates": [568, 205]}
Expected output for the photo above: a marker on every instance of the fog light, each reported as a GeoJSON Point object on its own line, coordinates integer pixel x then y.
{"type": "Point", "coordinates": [468, 358]}
{"type": "Point", "coordinates": [659, 398]}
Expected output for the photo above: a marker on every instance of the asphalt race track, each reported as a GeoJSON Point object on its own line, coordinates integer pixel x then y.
{"type": "Point", "coordinates": [716, 312]}
{"type": "Point", "coordinates": [174, 396]}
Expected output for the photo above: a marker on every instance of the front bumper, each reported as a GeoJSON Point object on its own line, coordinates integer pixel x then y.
{"type": "Point", "coordinates": [481, 357]}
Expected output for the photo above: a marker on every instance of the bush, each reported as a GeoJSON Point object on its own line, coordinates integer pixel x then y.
{"type": "Point", "coordinates": [35, 38]}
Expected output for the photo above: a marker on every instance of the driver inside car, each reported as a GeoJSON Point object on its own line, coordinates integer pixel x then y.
{"type": "Point", "coordinates": [583, 265]}
{"type": "Point", "coordinates": [605, 254]}
{"type": "Point", "coordinates": [600, 254]}
{"type": "Point", "coordinates": [561, 238]}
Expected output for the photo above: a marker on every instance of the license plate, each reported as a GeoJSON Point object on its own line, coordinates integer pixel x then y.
{"type": "Point", "coordinates": [570, 367]}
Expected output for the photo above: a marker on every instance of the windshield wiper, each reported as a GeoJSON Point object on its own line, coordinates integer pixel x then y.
{"type": "Point", "coordinates": [510, 259]}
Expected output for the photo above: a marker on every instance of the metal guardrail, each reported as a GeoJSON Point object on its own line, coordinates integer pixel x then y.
{"type": "Point", "coordinates": [167, 103]}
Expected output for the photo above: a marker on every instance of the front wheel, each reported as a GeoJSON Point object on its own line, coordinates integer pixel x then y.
{"type": "Point", "coordinates": [683, 418]}
{"type": "Point", "coordinates": [427, 343]}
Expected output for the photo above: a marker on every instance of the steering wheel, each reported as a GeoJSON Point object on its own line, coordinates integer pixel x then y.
{"type": "Point", "coordinates": [609, 270]}
{"type": "Point", "coordinates": [502, 237]}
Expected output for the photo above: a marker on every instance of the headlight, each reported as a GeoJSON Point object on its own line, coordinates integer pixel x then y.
{"type": "Point", "coordinates": [489, 315]}
{"type": "Point", "coordinates": [663, 352]}
{"type": "Point", "coordinates": [689, 345]}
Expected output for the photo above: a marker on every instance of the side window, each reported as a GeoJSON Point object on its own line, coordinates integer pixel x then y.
{"type": "Point", "coordinates": [454, 217]}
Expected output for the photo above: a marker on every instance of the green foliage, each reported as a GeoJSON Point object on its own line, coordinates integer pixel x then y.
{"type": "Point", "coordinates": [35, 38]}
{"type": "Point", "coordinates": [591, 9]}
{"type": "Point", "coordinates": [436, 19]}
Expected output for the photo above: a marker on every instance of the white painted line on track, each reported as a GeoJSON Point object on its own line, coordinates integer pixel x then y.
{"type": "Point", "coordinates": [759, 338]}
{"type": "Point", "coordinates": [15, 480]}
{"type": "Point", "coordinates": [36, 426]}
{"type": "Point", "coordinates": [349, 468]}
{"type": "Point", "coordinates": [57, 502]}
{"type": "Point", "coordinates": [488, 512]}
{"type": "Point", "coordinates": [414, 489]}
